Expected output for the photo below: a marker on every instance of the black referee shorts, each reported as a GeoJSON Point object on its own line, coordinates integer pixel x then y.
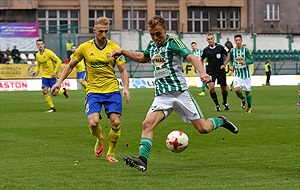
{"type": "Point", "coordinates": [220, 75]}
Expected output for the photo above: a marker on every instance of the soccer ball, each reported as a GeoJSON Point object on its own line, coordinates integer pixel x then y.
{"type": "Point", "coordinates": [177, 141]}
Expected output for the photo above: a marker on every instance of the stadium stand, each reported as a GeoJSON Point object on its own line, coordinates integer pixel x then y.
{"type": "Point", "coordinates": [23, 56]}
{"type": "Point", "coordinates": [31, 56]}
{"type": "Point", "coordinates": [276, 55]}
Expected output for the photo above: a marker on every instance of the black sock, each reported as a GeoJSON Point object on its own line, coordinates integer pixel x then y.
{"type": "Point", "coordinates": [224, 94]}
{"type": "Point", "coordinates": [214, 98]}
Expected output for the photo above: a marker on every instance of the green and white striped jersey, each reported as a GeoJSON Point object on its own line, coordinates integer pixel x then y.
{"type": "Point", "coordinates": [197, 53]}
{"type": "Point", "coordinates": [167, 64]}
{"type": "Point", "coordinates": [236, 56]}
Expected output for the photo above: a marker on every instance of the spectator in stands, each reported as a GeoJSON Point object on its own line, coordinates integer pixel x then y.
{"type": "Point", "coordinates": [69, 45]}
{"type": "Point", "coordinates": [15, 52]}
{"type": "Point", "coordinates": [1, 57]}
{"type": "Point", "coordinates": [24, 61]}
{"type": "Point", "coordinates": [268, 69]}
{"type": "Point", "coordinates": [7, 51]}
{"type": "Point", "coordinates": [10, 60]}
{"type": "Point", "coordinates": [228, 44]}
{"type": "Point", "coordinates": [5, 58]}
{"type": "Point", "coordinates": [17, 58]}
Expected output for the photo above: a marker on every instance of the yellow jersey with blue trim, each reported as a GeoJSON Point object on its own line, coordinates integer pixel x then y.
{"type": "Point", "coordinates": [49, 61]}
{"type": "Point", "coordinates": [80, 66]}
{"type": "Point", "coordinates": [99, 66]}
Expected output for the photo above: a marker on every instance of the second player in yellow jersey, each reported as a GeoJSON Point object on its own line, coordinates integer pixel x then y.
{"type": "Point", "coordinates": [50, 64]}
{"type": "Point", "coordinates": [80, 68]}
{"type": "Point", "coordinates": [102, 85]}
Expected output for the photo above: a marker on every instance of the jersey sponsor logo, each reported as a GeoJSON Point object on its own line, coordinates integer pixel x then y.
{"type": "Point", "coordinates": [218, 56]}
{"type": "Point", "coordinates": [99, 64]}
{"type": "Point", "coordinates": [238, 64]}
{"type": "Point", "coordinates": [158, 60]}
{"type": "Point", "coordinates": [239, 59]}
{"type": "Point", "coordinates": [162, 73]}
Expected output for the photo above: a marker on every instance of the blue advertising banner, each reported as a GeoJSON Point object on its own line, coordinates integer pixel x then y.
{"type": "Point", "coordinates": [19, 29]}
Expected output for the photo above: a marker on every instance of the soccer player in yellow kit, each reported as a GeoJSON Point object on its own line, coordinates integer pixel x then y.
{"type": "Point", "coordinates": [102, 85]}
{"type": "Point", "coordinates": [80, 68]}
{"type": "Point", "coordinates": [50, 64]}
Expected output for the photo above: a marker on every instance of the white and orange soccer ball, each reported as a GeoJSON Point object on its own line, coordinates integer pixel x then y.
{"type": "Point", "coordinates": [177, 141]}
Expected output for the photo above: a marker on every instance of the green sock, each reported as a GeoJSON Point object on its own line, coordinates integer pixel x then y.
{"type": "Point", "coordinates": [145, 146]}
{"type": "Point", "coordinates": [240, 95]}
{"type": "Point", "coordinates": [217, 122]}
{"type": "Point", "coordinates": [203, 86]}
{"type": "Point", "coordinates": [249, 100]}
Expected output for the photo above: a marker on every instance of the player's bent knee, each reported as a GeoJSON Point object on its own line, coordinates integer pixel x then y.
{"type": "Point", "coordinates": [93, 127]}
{"type": "Point", "coordinates": [115, 123]}
{"type": "Point", "coordinates": [147, 126]}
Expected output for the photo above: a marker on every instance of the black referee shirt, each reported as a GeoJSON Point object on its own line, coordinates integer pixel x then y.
{"type": "Point", "coordinates": [215, 56]}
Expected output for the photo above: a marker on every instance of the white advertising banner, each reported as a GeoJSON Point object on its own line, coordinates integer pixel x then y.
{"type": "Point", "coordinates": [260, 80]}
{"type": "Point", "coordinates": [32, 85]}
{"type": "Point", "coordinates": [23, 44]}
{"type": "Point", "coordinates": [71, 84]}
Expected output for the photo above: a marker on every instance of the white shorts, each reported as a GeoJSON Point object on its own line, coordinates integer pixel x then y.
{"type": "Point", "coordinates": [245, 82]}
{"type": "Point", "coordinates": [182, 102]}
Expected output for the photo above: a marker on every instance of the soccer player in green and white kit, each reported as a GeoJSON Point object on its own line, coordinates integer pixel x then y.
{"type": "Point", "coordinates": [197, 52]}
{"type": "Point", "coordinates": [171, 90]}
{"type": "Point", "coordinates": [240, 59]}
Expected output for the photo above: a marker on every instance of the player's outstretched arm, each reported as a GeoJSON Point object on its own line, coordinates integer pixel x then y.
{"type": "Point", "coordinates": [125, 81]}
{"type": "Point", "coordinates": [199, 67]}
{"type": "Point", "coordinates": [136, 56]}
{"type": "Point", "coordinates": [64, 74]}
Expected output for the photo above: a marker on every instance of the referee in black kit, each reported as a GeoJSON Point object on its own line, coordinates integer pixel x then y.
{"type": "Point", "coordinates": [215, 54]}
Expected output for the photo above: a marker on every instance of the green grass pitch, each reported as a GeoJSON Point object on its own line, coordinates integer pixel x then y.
{"type": "Point", "coordinates": [55, 150]}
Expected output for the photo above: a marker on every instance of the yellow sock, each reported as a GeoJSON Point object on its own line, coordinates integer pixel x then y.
{"type": "Point", "coordinates": [60, 92]}
{"type": "Point", "coordinates": [84, 84]}
{"type": "Point", "coordinates": [97, 132]}
{"type": "Point", "coordinates": [48, 100]}
{"type": "Point", "coordinates": [113, 137]}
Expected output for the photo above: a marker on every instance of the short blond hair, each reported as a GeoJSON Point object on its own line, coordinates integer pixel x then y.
{"type": "Point", "coordinates": [102, 20]}
{"type": "Point", "coordinates": [156, 21]}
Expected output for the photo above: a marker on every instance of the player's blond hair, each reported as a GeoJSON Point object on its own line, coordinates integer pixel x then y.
{"type": "Point", "coordinates": [156, 21]}
{"type": "Point", "coordinates": [102, 20]}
